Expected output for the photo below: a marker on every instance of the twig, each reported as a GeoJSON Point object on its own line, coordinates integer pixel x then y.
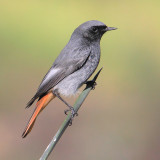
{"type": "Point", "coordinates": [65, 124]}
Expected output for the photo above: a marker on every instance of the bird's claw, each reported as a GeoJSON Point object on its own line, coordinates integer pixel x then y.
{"type": "Point", "coordinates": [70, 122]}
{"type": "Point", "coordinates": [66, 111]}
{"type": "Point", "coordinates": [73, 113]}
{"type": "Point", "coordinates": [92, 84]}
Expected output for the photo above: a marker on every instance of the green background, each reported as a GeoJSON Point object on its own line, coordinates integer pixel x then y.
{"type": "Point", "coordinates": [120, 118]}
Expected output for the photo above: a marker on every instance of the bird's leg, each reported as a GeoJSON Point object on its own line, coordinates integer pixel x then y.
{"type": "Point", "coordinates": [71, 109]}
{"type": "Point", "coordinates": [91, 83]}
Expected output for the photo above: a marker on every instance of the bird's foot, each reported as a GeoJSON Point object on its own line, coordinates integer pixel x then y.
{"type": "Point", "coordinates": [73, 113]}
{"type": "Point", "coordinates": [92, 84]}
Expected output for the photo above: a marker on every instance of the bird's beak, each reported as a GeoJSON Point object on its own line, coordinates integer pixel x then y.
{"type": "Point", "coordinates": [110, 28]}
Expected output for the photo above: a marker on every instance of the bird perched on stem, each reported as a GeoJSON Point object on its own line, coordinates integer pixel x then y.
{"type": "Point", "coordinates": [72, 68]}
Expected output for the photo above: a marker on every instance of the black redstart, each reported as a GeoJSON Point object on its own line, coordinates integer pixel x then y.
{"type": "Point", "coordinates": [72, 68]}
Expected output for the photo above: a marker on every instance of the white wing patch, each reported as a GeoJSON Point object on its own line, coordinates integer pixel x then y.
{"type": "Point", "coordinates": [50, 75]}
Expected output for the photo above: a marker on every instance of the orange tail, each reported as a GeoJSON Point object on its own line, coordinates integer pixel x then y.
{"type": "Point", "coordinates": [41, 104]}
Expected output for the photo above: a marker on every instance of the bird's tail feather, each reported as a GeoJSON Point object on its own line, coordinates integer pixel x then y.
{"type": "Point", "coordinates": [41, 104]}
{"type": "Point", "coordinates": [31, 102]}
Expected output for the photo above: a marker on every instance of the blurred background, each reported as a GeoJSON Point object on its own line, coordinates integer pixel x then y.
{"type": "Point", "coordinates": [120, 119]}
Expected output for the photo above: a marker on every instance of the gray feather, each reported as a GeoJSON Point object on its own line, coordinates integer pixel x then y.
{"type": "Point", "coordinates": [64, 68]}
{"type": "Point", "coordinates": [76, 62]}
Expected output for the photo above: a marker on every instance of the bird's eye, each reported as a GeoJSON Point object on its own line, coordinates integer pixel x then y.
{"type": "Point", "coordinates": [94, 29]}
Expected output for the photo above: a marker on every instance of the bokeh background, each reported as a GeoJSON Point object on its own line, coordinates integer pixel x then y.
{"type": "Point", "coordinates": [120, 120]}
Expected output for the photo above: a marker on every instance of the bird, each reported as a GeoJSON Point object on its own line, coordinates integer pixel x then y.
{"type": "Point", "coordinates": [72, 68]}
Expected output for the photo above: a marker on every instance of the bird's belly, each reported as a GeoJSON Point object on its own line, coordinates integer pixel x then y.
{"type": "Point", "coordinates": [68, 86]}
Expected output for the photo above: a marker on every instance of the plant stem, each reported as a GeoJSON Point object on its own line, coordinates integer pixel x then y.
{"type": "Point", "coordinates": [65, 124]}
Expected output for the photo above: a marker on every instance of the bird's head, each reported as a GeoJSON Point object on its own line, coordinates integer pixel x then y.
{"type": "Point", "coordinates": [91, 30]}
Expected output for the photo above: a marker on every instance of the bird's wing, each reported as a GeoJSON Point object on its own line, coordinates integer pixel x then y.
{"type": "Point", "coordinates": [59, 71]}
